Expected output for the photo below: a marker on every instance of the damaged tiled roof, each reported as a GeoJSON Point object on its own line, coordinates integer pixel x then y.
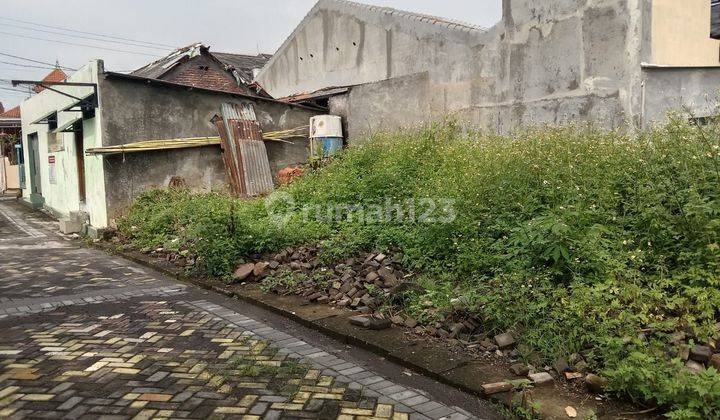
{"type": "Point", "coordinates": [56, 75]}
{"type": "Point", "coordinates": [242, 64]}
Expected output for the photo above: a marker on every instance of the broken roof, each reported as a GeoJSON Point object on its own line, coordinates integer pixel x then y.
{"type": "Point", "coordinates": [240, 65]}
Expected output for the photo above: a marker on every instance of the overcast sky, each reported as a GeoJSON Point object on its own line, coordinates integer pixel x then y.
{"type": "Point", "coordinates": [238, 26]}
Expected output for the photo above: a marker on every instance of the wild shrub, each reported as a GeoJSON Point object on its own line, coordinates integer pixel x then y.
{"type": "Point", "coordinates": [581, 240]}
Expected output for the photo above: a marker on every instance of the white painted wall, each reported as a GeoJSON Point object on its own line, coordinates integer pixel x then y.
{"type": "Point", "coordinates": [63, 197]}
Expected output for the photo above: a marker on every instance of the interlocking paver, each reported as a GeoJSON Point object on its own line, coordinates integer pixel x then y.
{"type": "Point", "coordinates": [85, 334]}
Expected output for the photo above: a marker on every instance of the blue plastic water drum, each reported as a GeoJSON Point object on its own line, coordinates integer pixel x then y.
{"type": "Point", "coordinates": [331, 145]}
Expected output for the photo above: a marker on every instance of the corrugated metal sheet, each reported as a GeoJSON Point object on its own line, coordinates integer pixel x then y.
{"type": "Point", "coordinates": [244, 152]}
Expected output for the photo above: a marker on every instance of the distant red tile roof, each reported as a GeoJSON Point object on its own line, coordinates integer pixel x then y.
{"type": "Point", "coordinates": [11, 113]}
{"type": "Point", "coordinates": [56, 75]}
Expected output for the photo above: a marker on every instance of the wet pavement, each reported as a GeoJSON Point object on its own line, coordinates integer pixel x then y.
{"type": "Point", "coordinates": [87, 335]}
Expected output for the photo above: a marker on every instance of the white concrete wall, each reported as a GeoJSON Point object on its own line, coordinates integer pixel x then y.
{"type": "Point", "coordinates": [63, 197]}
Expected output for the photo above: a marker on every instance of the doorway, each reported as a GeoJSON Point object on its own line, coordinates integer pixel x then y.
{"type": "Point", "coordinates": [80, 159]}
{"type": "Point", "coordinates": [34, 164]}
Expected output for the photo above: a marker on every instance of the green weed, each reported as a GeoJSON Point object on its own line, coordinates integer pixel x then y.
{"type": "Point", "coordinates": [580, 240]}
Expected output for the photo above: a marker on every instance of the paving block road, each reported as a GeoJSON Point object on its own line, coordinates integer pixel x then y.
{"type": "Point", "coordinates": [89, 335]}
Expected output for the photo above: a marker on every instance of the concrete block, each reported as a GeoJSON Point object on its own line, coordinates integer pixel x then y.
{"type": "Point", "coordinates": [95, 233]}
{"type": "Point", "coordinates": [68, 226]}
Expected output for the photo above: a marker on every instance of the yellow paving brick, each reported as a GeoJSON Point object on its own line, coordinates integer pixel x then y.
{"type": "Point", "coordinates": [325, 381]}
{"type": "Point", "coordinates": [252, 385]}
{"type": "Point", "coordinates": [165, 413]}
{"type": "Point", "coordinates": [357, 412]}
{"type": "Point", "coordinates": [4, 402]}
{"type": "Point", "coordinates": [226, 354]}
{"type": "Point", "coordinates": [130, 396]}
{"type": "Point", "coordinates": [225, 389]}
{"type": "Point", "coordinates": [155, 397]}
{"type": "Point", "coordinates": [312, 374]}
{"type": "Point", "coordinates": [247, 400]}
{"type": "Point", "coordinates": [145, 414]}
{"type": "Point", "coordinates": [249, 417]}
{"type": "Point", "coordinates": [400, 416]}
{"type": "Point", "coordinates": [23, 374]}
{"type": "Point", "coordinates": [231, 410]}
{"type": "Point", "coordinates": [8, 390]}
{"type": "Point", "coordinates": [126, 371]}
{"type": "Point", "coordinates": [38, 397]}
{"type": "Point", "coordinates": [320, 389]}
{"type": "Point", "coordinates": [75, 373]}
{"type": "Point", "coordinates": [384, 410]}
{"type": "Point", "coordinates": [322, 396]}
{"type": "Point", "coordinates": [7, 412]}
{"type": "Point", "coordinates": [287, 406]}
{"type": "Point", "coordinates": [301, 397]}
{"type": "Point", "coordinates": [186, 333]}
{"type": "Point", "coordinates": [138, 404]}
{"type": "Point", "coordinates": [344, 417]}
{"type": "Point", "coordinates": [136, 358]}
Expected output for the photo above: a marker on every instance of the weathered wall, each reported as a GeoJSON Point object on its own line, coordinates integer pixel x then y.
{"type": "Point", "coordinates": [342, 43]}
{"type": "Point", "coordinates": [693, 92]}
{"type": "Point", "coordinates": [559, 61]}
{"type": "Point", "coordinates": [62, 197]}
{"type": "Point", "coordinates": [548, 61]}
{"type": "Point", "coordinates": [136, 110]}
{"type": "Point", "coordinates": [385, 105]}
{"type": "Point", "coordinates": [681, 34]}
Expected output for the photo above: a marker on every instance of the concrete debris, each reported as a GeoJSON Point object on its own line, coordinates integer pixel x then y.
{"type": "Point", "coordinates": [700, 353]}
{"type": "Point", "coordinates": [571, 412]}
{"type": "Point", "coordinates": [370, 323]}
{"type": "Point", "coordinates": [694, 366]}
{"type": "Point", "coordinates": [505, 340]}
{"type": "Point", "coordinates": [520, 369]}
{"type": "Point", "coordinates": [244, 271]}
{"type": "Point", "coordinates": [541, 378]}
{"type": "Point", "coordinates": [496, 388]}
{"type": "Point", "coordinates": [595, 383]}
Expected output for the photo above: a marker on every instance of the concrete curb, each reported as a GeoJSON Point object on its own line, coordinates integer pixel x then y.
{"type": "Point", "coordinates": [461, 374]}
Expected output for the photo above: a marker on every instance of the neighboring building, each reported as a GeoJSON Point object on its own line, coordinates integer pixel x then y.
{"type": "Point", "coordinates": [119, 109]}
{"type": "Point", "coordinates": [616, 63]}
{"type": "Point", "coordinates": [10, 150]}
{"type": "Point", "coordinates": [56, 75]}
{"type": "Point", "coordinates": [195, 65]}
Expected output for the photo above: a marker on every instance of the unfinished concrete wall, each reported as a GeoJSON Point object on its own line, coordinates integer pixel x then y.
{"type": "Point", "coordinates": [557, 61]}
{"type": "Point", "coordinates": [547, 61]}
{"type": "Point", "coordinates": [690, 91]}
{"type": "Point", "coordinates": [343, 43]}
{"type": "Point", "coordinates": [136, 110]}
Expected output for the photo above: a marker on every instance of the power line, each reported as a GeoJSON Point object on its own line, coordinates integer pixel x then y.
{"type": "Point", "coordinates": [78, 45]}
{"type": "Point", "coordinates": [36, 61]}
{"type": "Point", "coordinates": [85, 37]}
{"type": "Point", "coordinates": [89, 33]}
{"type": "Point", "coordinates": [14, 90]}
{"type": "Point", "coordinates": [29, 66]}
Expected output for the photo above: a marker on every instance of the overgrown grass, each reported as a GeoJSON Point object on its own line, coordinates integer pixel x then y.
{"type": "Point", "coordinates": [579, 239]}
